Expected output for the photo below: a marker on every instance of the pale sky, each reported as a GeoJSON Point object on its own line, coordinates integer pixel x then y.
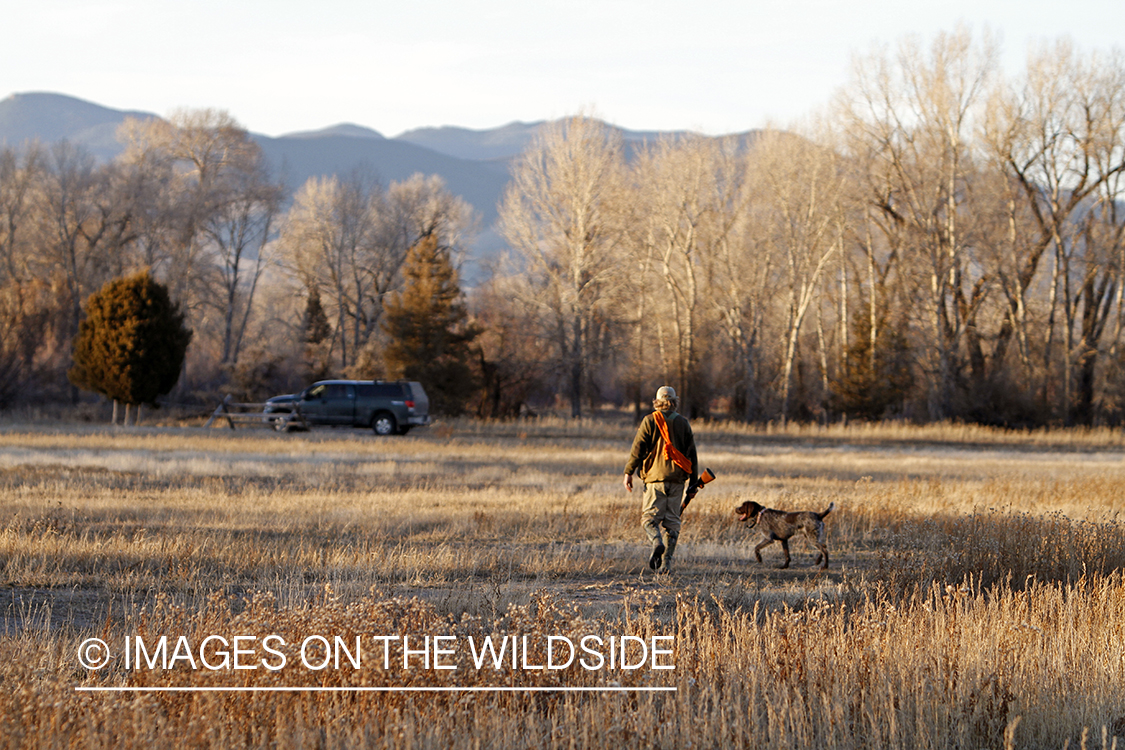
{"type": "Point", "coordinates": [715, 66]}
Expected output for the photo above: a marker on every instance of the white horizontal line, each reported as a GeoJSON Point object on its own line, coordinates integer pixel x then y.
{"type": "Point", "coordinates": [250, 689]}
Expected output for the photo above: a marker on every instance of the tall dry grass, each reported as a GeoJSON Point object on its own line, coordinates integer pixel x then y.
{"type": "Point", "coordinates": [975, 597]}
{"type": "Point", "coordinates": [955, 667]}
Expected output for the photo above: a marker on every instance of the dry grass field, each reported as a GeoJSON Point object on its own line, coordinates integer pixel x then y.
{"type": "Point", "coordinates": [975, 598]}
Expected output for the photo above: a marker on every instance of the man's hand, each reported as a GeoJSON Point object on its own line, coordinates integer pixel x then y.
{"type": "Point", "coordinates": [629, 482]}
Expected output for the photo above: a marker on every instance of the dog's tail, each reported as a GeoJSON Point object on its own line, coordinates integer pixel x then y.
{"type": "Point", "coordinates": [825, 513]}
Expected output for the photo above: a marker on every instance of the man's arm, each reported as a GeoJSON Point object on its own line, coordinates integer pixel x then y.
{"type": "Point", "coordinates": [692, 455]}
{"type": "Point", "coordinates": [642, 445]}
{"type": "Point", "coordinates": [685, 442]}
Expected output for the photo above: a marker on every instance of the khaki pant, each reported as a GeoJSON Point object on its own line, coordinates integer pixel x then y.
{"type": "Point", "coordinates": [661, 511]}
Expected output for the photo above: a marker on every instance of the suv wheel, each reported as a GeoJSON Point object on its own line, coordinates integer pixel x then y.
{"type": "Point", "coordinates": [384, 423]}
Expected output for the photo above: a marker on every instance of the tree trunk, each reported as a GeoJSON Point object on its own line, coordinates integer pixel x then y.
{"type": "Point", "coordinates": [576, 353]}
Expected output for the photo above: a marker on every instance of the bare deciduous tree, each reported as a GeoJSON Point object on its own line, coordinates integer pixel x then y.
{"type": "Point", "coordinates": [349, 238]}
{"type": "Point", "coordinates": [798, 212]}
{"type": "Point", "coordinates": [560, 214]}
{"type": "Point", "coordinates": [205, 205]}
{"type": "Point", "coordinates": [1058, 135]}
{"type": "Point", "coordinates": [325, 237]}
{"type": "Point", "coordinates": [688, 198]}
{"type": "Point", "coordinates": [910, 120]}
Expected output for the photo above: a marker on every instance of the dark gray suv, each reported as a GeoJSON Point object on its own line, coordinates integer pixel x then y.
{"type": "Point", "coordinates": [387, 407]}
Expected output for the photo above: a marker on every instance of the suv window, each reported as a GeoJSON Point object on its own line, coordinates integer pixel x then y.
{"type": "Point", "coordinates": [336, 390]}
{"type": "Point", "coordinates": [330, 390]}
{"type": "Point", "coordinates": [379, 390]}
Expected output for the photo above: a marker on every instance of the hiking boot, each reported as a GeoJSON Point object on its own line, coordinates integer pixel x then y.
{"type": "Point", "coordinates": [657, 554]}
{"type": "Point", "coordinates": [666, 562]}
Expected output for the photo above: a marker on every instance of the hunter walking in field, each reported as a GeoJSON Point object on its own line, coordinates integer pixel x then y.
{"type": "Point", "coordinates": [664, 455]}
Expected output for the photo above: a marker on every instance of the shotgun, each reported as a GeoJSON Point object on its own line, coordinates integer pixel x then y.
{"type": "Point", "coordinates": [704, 477]}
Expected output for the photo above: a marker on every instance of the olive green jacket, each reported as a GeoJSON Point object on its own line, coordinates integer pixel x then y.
{"type": "Point", "coordinates": [647, 455]}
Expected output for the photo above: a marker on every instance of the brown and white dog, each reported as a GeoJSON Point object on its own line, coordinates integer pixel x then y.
{"type": "Point", "coordinates": [780, 525]}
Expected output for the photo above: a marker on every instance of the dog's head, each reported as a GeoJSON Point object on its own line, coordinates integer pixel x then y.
{"type": "Point", "coordinates": [749, 511]}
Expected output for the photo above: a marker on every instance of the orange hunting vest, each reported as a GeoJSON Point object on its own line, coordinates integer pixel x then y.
{"type": "Point", "coordinates": [671, 453]}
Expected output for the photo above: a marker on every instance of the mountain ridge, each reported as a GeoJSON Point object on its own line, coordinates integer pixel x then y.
{"type": "Point", "coordinates": [50, 117]}
{"type": "Point", "coordinates": [475, 164]}
{"type": "Point", "coordinates": [347, 129]}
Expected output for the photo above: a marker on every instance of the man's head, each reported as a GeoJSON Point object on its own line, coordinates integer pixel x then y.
{"type": "Point", "coordinates": [665, 398]}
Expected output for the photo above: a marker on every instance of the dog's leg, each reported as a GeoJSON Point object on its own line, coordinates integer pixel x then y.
{"type": "Point", "coordinates": [785, 548]}
{"type": "Point", "coordinates": [820, 545]}
{"type": "Point", "coordinates": [758, 550]}
{"type": "Point", "coordinates": [821, 552]}
{"type": "Point", "coordinates": [809, 535]}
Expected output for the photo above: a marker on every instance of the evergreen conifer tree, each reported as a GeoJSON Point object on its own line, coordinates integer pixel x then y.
{"type": "Point", "coordinates": [428, 330]}
{"type": "Point", "coordinates": [131, 345]}
{"type": "Point", "coordinates": [317, 333]}
{"type": "Point", "coordinates": [316, 325]}
{"type": "Point", "coordinates": [876, 383]}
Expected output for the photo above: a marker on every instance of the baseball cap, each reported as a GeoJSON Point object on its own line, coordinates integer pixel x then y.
{"type": "Point", "coordinates": [666, 393]}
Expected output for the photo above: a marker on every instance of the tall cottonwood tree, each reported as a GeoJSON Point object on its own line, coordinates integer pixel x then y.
{"type": "Point", "coordinates": [511, 359]}
{"type": "Point", "coordinates": [208, 210]}
{"type": "Point", "coordinates": [326, 238]}
{"type": "Point", "coordinates": [798, 213]}
{"type": "Point", "coordinates": [421, 206]}
{"type": "Point", "coordinates": [909, 121]}
{"type": "Point", "coordinates": [561, 215]}
{"type": "Point", "coordinates": [743, 293]}
{"type": "Point", "coordinates": [688, 198]}
{"type": "Point", "coordinates": [67, 227]}
{"type": "Point", "coordinates": [1058, 135]}
{"type": "Point", "coordinates": [239, 231]}
{"type": "Point", "coordinates": [20, 175]}
{"type": "Point", "coordinates": [88, 223]}
{"type": "Point", "coordinates": [20, 320]}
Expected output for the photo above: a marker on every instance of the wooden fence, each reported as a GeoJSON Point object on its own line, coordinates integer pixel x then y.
{"type": "Point", "coordinates": [259, 414]}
